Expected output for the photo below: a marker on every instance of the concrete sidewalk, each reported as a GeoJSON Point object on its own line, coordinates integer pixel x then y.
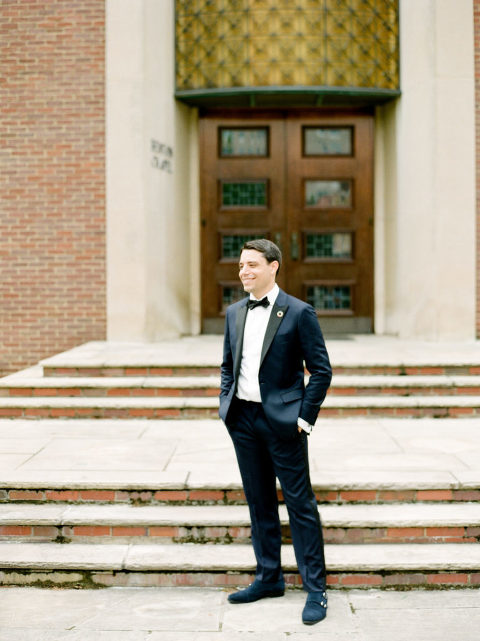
{"type": "Point", "coordinates": [194, 614]}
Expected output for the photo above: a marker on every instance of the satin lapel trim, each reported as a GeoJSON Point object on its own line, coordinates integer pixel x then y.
{"type": "Point", "coordinates": [272, 327]}
{"type": "Point", "coordinates": [239, 331]}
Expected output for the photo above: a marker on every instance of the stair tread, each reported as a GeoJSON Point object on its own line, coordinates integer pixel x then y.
{"type": "Point", "coordinates": [175, 402]}
{"type": "Point", "coordinates": [342, 480]}
{"type": "Point", "coordinates": [338, 380]}
{"type": "Point", "coordinates": [372, 516]}
{"type": "Point", "coordinates": [206, 350]}
{"type": "Point", "coordinates": [111, 381]}
{"type": "Point", "coordinates": [370, 380]}
{"type": "Point", "coordinates": [194, 557]}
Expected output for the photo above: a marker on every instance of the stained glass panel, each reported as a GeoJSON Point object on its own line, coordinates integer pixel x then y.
{"type": "Point", "coordinates": [246, 193]}
{"type": "Point", "coordinates": [335, 245]}
{"type": "Point", "coordinates": [330, 297]}
{"type": "Point", "coordinates": [233, 243]}
{"type": "Point", "coordinates": [327, 141]}
{"type": "Point", "coordinates": [244, 142]}
{"type": "Point", "coordinates": [328, 194]}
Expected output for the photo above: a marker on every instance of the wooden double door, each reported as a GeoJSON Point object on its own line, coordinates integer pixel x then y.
{"type": "Point", "coordinates": [304, 180]}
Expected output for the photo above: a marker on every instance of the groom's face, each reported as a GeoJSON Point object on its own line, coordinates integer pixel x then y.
{"type": "Point", "coordinates": [256, 273]}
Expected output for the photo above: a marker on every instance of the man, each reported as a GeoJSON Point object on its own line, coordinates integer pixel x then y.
{"type": "Point", "coordinates": [268, 412]}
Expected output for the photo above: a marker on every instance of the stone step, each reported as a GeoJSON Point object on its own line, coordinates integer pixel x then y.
{"type": "Point", "coordinates": [182, 488]}
{"type": "Point", "coordinates": [361, 369]}
{"type": "Point", "coordinates": [202, 355]}
{"type": "Point", "coordinates": [401, 523]}
{"type": "Point", "coordinates": [191, 386]}
{"type": "Point", "coordinates": [129, 370]}
{"type": "Point", "coordinates": [96, 565]}
{"type": "Point", "coordinates": [194, 386]}
{"type": "Point", "coordinates": [393, 385]}
{"type": "Point", "coordinates": [198, 407]}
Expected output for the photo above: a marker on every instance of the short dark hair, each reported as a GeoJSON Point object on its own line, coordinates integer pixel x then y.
{"type": "Point", "coordinates": [269, 250]}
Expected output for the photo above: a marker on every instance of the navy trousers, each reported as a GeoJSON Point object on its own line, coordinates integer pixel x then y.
{"type": "Point", "coordinates": [262, 457]}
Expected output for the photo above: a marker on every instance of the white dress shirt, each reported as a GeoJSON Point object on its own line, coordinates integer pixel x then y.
{"type": "Point", "coordinates": [256, 323]}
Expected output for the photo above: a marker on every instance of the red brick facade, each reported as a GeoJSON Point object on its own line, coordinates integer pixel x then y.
{"type": "Point", "coordinates": [52, 168]}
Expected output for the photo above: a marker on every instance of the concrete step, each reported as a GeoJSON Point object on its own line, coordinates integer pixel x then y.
{"type": "Point", "coordinates": [96, 565]}
{"type": "Point", "coordinates": [360, 369]}
{"type": "Point", "coordinates": [194, 386]}
{"type": "Point", "coordinates": [197, 407]}
{"type": "Point", "coordinates": [203, 354]}
{"type": "Point", "coordinates": [367, 385]}
{"type": "Point", "coordinates": [129, 370]}
{"type": "Point", "coordinates": [401, 523]}
{"type": "Point", "coordinates": [184, 386]}
{"type": "Point", "coordinates": [183, 488]}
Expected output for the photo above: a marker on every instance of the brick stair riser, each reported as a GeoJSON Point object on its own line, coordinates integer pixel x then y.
{"type": "Point", "coordinates": [404, 391]}
{"type": "Point", "coordinates": [426, 370]}
{"type": "Point", "coordinates": [420, 370]}
{"type": "Point", "coordinates": [107, 412]}
{"type": "Point", "coordinates": [87, 579]}
{"type": "Point", "coordinates": [131, 371]}
{"type": "Point", "coordinates": [226, 496]}
{"type": "Point", "coordinates": [113, 392]}
{"type": "Point", "coordinates": [228, 534]}
{"type": "Point", "coordinates": [195, 392]}
{"type": "Point", "coordinates": [204, 413]}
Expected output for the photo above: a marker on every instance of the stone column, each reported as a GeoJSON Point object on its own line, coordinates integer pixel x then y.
{"type": "Point", "coordinates": [150, 177]}
{"type": "Point", "coordinates": [425, 179]}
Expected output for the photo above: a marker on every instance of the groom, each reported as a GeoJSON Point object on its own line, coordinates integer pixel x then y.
{"type": "Point", "coordinates": [269, 412]}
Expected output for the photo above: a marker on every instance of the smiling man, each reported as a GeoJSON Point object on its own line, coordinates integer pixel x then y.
{"type": "Point", "coordinates": [269, 338]}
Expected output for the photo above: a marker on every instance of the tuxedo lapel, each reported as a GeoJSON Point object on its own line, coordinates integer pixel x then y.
{"type": "Point", "coordinates": [239, 331]}
{"type": "Point", "coordinates": [276, 317]}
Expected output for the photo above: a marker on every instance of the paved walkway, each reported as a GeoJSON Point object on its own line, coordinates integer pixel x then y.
{"type": "Point", "coordinates": [193, 614]}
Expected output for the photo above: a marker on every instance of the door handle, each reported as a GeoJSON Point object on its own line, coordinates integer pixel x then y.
{"type": "Point", "coordinates": [277, 239]}
{"type": "Point", "coordinates": [294, 250]}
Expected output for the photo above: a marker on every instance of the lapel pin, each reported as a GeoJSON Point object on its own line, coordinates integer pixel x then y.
{"type": "Point", "coordinates": [280, 314]}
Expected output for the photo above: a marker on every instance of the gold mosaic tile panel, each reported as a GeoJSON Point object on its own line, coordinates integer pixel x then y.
{"type": "Point", "coordinates": [264, 43]}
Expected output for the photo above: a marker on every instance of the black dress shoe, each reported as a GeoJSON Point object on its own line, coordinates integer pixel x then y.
{"type": "Point", "coordinates": [257, 590]}
{"type": "Point", "coordinates": [315, 609]}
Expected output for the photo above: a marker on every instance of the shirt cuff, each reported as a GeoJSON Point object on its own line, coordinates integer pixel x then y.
{"type": "Point", "coordinates": [306, 427]}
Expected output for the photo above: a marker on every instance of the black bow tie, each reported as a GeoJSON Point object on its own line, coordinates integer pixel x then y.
{"type": "Point", "coordinates": [258, 303]}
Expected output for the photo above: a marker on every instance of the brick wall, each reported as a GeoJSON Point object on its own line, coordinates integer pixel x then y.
{"type": "Point", "coordinates": [52, 172]}
{"type": "Point", "coordinates": [476, 11]}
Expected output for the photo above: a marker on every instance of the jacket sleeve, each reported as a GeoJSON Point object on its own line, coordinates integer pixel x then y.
{"type": "Point", "coordinates": [226, 369]}
{"type": "Point", "coordinates": [317, 363]}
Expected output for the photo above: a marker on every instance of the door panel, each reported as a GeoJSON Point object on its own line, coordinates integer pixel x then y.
{"type": "Point", "coordinates": [329, 209]}
{"type": "Point", "coordinates": [304, 180]}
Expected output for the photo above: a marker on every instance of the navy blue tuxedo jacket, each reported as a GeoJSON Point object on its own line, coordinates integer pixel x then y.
{"type": "Point", "coordinates": [293, 336]}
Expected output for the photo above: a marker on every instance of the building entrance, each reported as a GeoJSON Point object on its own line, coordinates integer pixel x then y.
{"type": "Point", "coordinates": [304, 180]}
